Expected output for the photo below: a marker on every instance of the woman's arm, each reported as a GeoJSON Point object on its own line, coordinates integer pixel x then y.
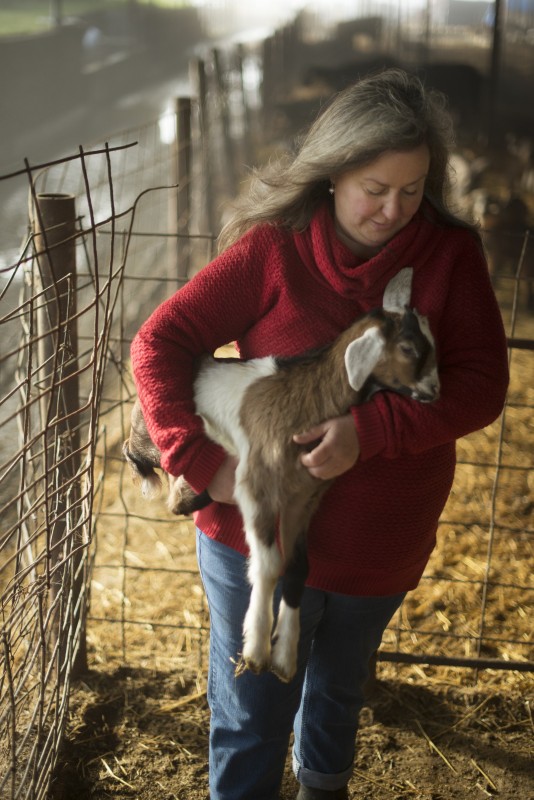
{"type": "Point", "coordinates": [212, 309]}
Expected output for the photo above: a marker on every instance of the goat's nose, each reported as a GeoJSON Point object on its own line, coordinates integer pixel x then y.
{"type": "Point", "coordinates": [427, 394]}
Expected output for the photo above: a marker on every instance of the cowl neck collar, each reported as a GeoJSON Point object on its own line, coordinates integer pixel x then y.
{"type": "Point", "coordinates": [332, 263]}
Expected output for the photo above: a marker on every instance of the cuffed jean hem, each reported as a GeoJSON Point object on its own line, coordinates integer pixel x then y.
{"type": "Point", "coordinates": [318, 780]}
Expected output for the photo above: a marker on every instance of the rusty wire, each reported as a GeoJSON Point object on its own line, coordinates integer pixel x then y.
{"type": "Point", "coordinates": [47, 474]}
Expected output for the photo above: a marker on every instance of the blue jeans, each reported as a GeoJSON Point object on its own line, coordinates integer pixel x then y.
{"type": "Point", "coordinates": [252, 716]}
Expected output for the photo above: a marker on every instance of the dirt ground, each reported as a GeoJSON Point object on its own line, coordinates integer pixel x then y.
{"type": "Point", "coordinates": [138, 734]}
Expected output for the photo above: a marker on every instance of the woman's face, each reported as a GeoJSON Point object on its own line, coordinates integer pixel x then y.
{"type": "Point", "coordinates": [374, 202]}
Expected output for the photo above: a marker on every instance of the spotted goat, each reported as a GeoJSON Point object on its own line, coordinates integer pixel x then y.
{"type": "Point", "coordinates": [252, 409]}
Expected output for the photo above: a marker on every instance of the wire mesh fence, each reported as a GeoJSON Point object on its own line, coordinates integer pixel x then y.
{"type": "Point", "coordinates": [53, 375]}
{"type": "Point", "coordinates": [91, 574]}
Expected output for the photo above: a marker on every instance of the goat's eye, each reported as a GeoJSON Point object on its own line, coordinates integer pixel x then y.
{"type": "Point", "coordinates": [407, 350]}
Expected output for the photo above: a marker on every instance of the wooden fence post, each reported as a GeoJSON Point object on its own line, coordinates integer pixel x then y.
{"type": "Point", "coordinates": [268, 81]}
{"type": "Point", "coordinates": [53, 219]}
{"type": "Point", "coordinates": [495, 73]}
{"type": "Point", "coordinates": [230, 179]}
{"type": "Point", "coordinates": [182, 171]}
{"type": "Point", "coordinates": [247, 118]}
{"type": "Point", "coordinates": [209, 225]}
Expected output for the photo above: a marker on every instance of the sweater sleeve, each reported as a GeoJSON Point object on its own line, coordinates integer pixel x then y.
{"type": "Point", "coordinates": [473, 368]}
{"type": "Point", "coordinates": [211, 310]}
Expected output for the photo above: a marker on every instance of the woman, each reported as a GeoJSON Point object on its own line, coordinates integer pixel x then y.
{"type": "Point", "coordinates": [312, 246]}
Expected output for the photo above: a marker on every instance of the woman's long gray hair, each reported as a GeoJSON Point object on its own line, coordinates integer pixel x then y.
{"type": "Point", "coordinates": [386, 111]}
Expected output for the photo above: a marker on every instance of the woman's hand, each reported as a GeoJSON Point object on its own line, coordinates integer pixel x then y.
{"type": "Point", "coordinates": [336, 452]}
{"type": "Point", "coordinates": [221, 488]}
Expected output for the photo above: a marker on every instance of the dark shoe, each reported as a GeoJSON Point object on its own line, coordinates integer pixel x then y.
{"type": "Point", "coordinates": [307, 793]}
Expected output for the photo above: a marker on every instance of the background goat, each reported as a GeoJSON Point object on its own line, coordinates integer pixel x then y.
{"type": "Point", "coordinates": [252, 409]}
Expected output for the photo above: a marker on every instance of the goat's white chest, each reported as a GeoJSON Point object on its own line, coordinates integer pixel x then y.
{"type": "Point", "coordinates": [219, 390]}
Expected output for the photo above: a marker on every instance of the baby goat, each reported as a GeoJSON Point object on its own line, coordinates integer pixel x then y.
{"type": "Point", "coordinates": [253, 408]}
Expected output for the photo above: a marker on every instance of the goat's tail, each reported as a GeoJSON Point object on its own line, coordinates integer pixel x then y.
{"type": "Point", "coordinates": [142, 472]}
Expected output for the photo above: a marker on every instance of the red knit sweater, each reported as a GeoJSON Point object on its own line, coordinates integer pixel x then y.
{"type": "Point", "coordinates": [277, 293]}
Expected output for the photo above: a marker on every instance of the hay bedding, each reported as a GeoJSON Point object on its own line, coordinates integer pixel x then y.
{"type": "Point", "coordinates": [141, 734]}
{"type": "Point", "coordinates": [139, 720]}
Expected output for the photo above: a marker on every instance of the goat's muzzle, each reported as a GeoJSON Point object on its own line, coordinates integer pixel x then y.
{"type": "Point", "coordinates": [426, 394]}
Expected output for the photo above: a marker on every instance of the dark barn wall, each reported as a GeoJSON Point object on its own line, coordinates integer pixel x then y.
{"type": "Point", "coordinates": [46, 75]}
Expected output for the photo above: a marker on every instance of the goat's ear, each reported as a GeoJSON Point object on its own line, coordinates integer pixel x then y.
{"type": "Point", "coordinates": [362, 355]}
{"type": "Point", "coordinates": [398, 292]}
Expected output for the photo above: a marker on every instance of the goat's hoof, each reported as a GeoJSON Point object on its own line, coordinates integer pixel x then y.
{"type": "Point", "coordinates": [240, 666]}
{"type": "Point", "coordinates": [284, 658]}
{"type": "Point", "coordinates": [282, 672]}
{"type": "Point", "coordinates": [281, 675]}
{"type": "Point", "coordinates": [252, 664]}
{"type": "Point", "coordinates": [257, 667]}
{"type": "Point", "coordinates": [249, 666]}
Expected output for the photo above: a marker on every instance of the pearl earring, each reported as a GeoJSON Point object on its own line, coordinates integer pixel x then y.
{"type": "Point", "coordinates": [332, 189]}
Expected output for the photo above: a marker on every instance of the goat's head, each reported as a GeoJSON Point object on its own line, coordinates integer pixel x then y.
{"type": "Point", "coordinates": [396, 351]}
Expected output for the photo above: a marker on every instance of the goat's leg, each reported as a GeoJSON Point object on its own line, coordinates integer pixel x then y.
{"type": "Point", "coordinates": [183, 499]}
{"type": "Point", "coordinates": [263, 571]}
{"type": "Point", "coordinates": [294, 522]}
{"type": "Point", "coordinates": [264, 568]}
{"type": "Point", "coordinates": [287, 632]}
